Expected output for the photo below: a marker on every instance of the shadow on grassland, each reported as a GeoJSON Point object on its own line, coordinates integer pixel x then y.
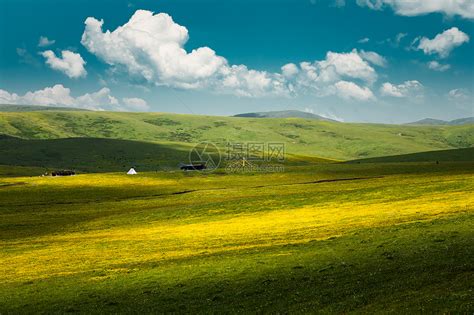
{"type": "Point", "coordinates": [90, 154]}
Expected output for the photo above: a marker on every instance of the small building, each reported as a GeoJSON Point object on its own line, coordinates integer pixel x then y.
{"type": "Point", "coordinates": [63, 173]}
{"type": "Point", "coordinates": [193, 167]}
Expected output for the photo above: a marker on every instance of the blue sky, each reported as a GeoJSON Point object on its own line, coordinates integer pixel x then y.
{"type": "Point", "coordinates": [358, 60]}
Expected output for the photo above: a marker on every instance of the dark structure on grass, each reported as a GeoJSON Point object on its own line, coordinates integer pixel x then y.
{"type": "Point", "coordinates": [63, 173]}
{"type": "Point", "coordinates": [193, 166]}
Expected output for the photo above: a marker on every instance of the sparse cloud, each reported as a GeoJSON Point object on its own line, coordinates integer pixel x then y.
{"type": "Point", "coordinates": [373, 58]}
{"type": "Point", "coordinates": [407, 89]}
{"type": "Point", "coordinates": [69, 63]}
{"type": "Point", "coordinates": [436, 66]}
{"type": "Point", "coordinates": [459, 95]}
{"type": "Point", "coordinates": [462, 8]}
{"type": "Point", "coordinates": [45, 41]}
{"type": "Point", "coordinates": [443, 43]}
{"type": "Point", "coordinates": [394, 41]}
{"type": "Point", "coordinates": [136, 103]}
{"type": "Point", "coordinates": [339, 3]}
{"type": "Point", "coordinates": [363, 40]}
{"type": "Point", "coordinates": [26, 58]}
{"type": "Point", "coordinates": [399, 38]}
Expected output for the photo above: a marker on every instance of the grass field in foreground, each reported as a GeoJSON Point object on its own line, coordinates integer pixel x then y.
{"type": "Point", "coordinates": [392, 238]}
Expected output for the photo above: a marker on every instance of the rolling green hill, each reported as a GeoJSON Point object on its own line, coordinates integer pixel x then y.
{"type": "Point", "coordinates": [459, 155]}
{"type": "Point", "coordinates": [284, 114]}
{"type": "Point", "coordinates": [154, 139]}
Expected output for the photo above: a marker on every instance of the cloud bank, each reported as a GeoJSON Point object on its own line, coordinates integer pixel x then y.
{"type": "Point", "coordinates": [463, 8]}
{"type": "Point", "coordinates": [58, 95]}
{"type": "Point", "coordinates": [150, 47]}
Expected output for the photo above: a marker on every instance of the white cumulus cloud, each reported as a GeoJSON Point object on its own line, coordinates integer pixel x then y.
{"type": "Point", "coordinates": [96, 100]}
{"type": "Point", "coordinates": [289, 70]}
{"type": "Point", "coordinates": [69, 63]}
{"type": "Point", "coordinates": [320, 75]}
{"type": "Point", "coordinates": [45, 41]}
{"type": "Point", "coordinates": [351, 91]}
{"type": "Point", "coordinates": [443, 43]}
{"type": "Point", "coordinates": [58, 95]}
{"type": "Point", "coordinates": [136, 103]}
{"type": "Point", "coordinates": [8, 98]}
{"type": "Point", "coordinates": [349, 65]}
{"type": "Point", "coordinates": [406, 89]}
{"type": "Point", "coordinates": [463, 8]}
{"type": "Point", "coordinates": [151, 47]}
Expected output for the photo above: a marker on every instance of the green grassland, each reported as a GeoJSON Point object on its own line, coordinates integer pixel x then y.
{"type": "Point", "coordinates": [172, 132]}
{"type": "Point", "coordinates": [327, 238]}
{"type": "Point", "coordinates": [365, 218]}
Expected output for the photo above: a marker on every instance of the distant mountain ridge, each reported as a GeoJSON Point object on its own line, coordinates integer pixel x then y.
{"type": "Point", "coordinates": [284, 114]}
{"type": "Point", "coordinates": [455, 122]}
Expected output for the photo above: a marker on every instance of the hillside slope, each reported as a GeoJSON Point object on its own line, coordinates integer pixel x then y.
{"type": "Point", "coordinates": [91, 154]}
{"type": "Point", "coordinates": [284, 114]}
{"type": "Point", "coordinates": [333, 140]}
{"type": "Point", "coordinates": [455, 155]}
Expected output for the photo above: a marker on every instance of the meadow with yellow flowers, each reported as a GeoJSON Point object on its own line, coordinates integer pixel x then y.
{"type": "Point", "coordinates": [375, 237]}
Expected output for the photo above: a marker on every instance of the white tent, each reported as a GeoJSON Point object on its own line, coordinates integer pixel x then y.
{"type": "Point", "coordinates": [132, 172]}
